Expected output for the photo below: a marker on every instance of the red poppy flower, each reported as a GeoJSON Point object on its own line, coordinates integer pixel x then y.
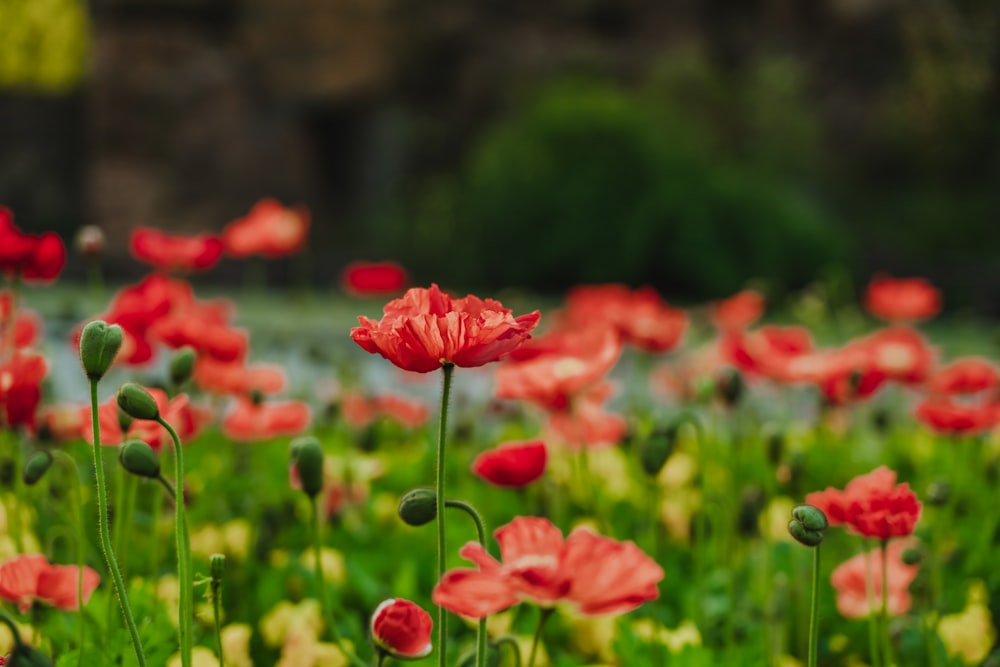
{"type": "Point", "coordinates": [587, 424]}
{"type": "Point", "coordinates": [426, 329]}
{"type": "Point", "coordinates": [20, 389]}
{"type": "Point", "coordinates": [596, 574]}
{"type": "Point", "coordinates": [269, 229]}
{"type": "Point", "coordinates": [186, 419]}
{"type": "Point", "coordinates": [551, 370]}
{"type": "Point", "coordinates": [373, 278]}
{"type": "Point", "coordinates": [640, 317]}
{"type": "Point", "coordinates": [62, 422]}
{"type": "Point", "coordinates": [738, 311]}
{"type": "Point", "coordinates": [945, 415]}
{"type": "Point", "coordinates": [27, 324]}
{"type": "Point", "coordinates": [512, 464]}
{"type": "Point", "coordinates": [871, 505]}
{"type": "Point", "coordinates": [34, 258]}
{"type": "Point", "coordinates": [359, 411]}
{"type": "Point", "coordinates": [968, 375]}
{"type": "Point", "coordinates": [170, 252]}
{"type": "Point", "coordinates": [249, 421]}
{"type": "Point", "coordinates": [850, 580]}
{"type": "Point", "coordinates": [902, 299]}
{"type": "Point", "coordinates": [900, 353]}
{"type": "Point", "coordinates": [766, 351]}
{"type": "Point", "coordinates": [402, 629]}
{"type": "Point", "coordinates": [30, 577]}
{"type": "Point", "coordinates": [236, 379]}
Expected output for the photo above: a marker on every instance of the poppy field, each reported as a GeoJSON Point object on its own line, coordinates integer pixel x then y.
{"type": "Point", "coordinates": [390, 473]}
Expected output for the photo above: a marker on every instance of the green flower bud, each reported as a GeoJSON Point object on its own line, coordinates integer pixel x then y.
{"type": "Point", "coordinates": [216, 565]}
{"type": "Point", "coordinates": [912, 556]}
{"type": "Point", "coordinates": [730, 386]}
{"type": "Point", "coordinates": [182, 365]}
{"type": "Point", "coordinates": [36, 466]}
{"type": "Point", "coordinates": [307, 457]}
{"type": "Point", "coordinates": [807, 525]}
{"type": "Point", "coordinates": [656, 450]}
{"type": "Point", "coordinates": [418, 507]}
{"type": "Point", "coordinates": [99, 343]}
{"type": "Point", "coordinates": [26, 656]}
{"type": "Point", "coordinates": [136, 402]}
{"type": "Point", "coordinates": [139, 459]}
{"type": "Point", "coordinates": [938, 493]}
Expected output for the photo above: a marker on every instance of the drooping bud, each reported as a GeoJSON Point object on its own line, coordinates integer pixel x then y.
{"type": "Point", "coordinates": [656, 449]}
{"type": "Point", "coordinates": [912, 556]}
{"type": "Point", "coordinates": [99, 343]}
{"type": "Point", "coordinates": [182, 365]}
{"type": "Point", "coordinates": [216, 566]}
{"type": "Point", "coordinates": [307, 457]}
{"type": "Point", "coordinates": [402, 629]}
{"type": "Point", "coordinates": [418, 506]}
{"type": "Point", "coordinates": [807, 525]}
{"type": "Point", "coordinates": [136, 402]}
{"type": "Point", "coordinates": [938, 493]}
{"type": "Point", "coordinates": [139, 459]}
{"type": "Point", "coordinates": [36, 466]}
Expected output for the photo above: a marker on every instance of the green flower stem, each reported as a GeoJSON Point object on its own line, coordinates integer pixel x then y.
{"type": "Point", "coordinates": [814, 610]}
{"type": "Point", "coordinates": [543, 616]}
{"type": "Point", "coordinates": [80, 540]}
{"type": "Point", "coordinates": [481, 534]}
{"type": "Point", "coordinates": [102, 527]}
{"type": "Point", "coordinates": [876, 656]}
{"type": "Point", "coordinates": [9, 622]}
{"type": "Point", "coordinates": [216, 588]}
{"type": "Point", "coordinates": [886, 640]}
{"type": "Point", "coordinates": [321, 587]}
{"type": "Point", "coordinates": [124, 511]}
{"type": "Point", "coordinates": [439, 488]}
{"type": "Point", "coordinates": [380, 658]}
{"type": "Point", "coordinates": [185, 609]}
{"type": "Point", "coordinates": [514, 646]}
{"type": "Point", "coordinates": [15, 517]}
{"type": "Point", "coordinates": [154, 552]}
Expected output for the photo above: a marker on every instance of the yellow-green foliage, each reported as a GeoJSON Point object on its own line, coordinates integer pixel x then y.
{"type": "Point", "coordinates": [43, 44]}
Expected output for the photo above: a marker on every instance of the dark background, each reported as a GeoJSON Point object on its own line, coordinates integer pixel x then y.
{"type": "Point", "coordinates": [690, 145]}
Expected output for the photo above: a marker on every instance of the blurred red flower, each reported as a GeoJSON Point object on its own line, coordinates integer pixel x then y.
{"type": "Point", "coordinates": [640, 317]}
{"type": "Point", "coordinates": [766, 351]}
{"type": "Point", "coordinates": [359, 411]}
{"type": "Point", "coordinates": [33, 257]}
{"type": "Point", "coordinates": [738, 311]}
{"type": "Point", "coordinates": [426, 329]}
{"type": "Point", "coordinates": [596, 574]}
{"type": "Point", "coordinates": [902, 299]}
{"type": "Point", "coordinates": [249, 421]}
{"type": "Point", "coordinates": [871, 505]}
{"type": "Point", "coordinates": [550, 371]}
{"type": "Point", "coordinates": [402, 629]}
{"type": "Point", "coordinates": [26, 323]}
{"type": "Point", "coordinates": [30, 577]}
{"type": "Point", "coordinates": [512, 464]}
{"type": "Point", "coordinates": [968, 375]}
{"type": "Point", "coordinates": [373, 278]}
{"type": "Point", "coordinates": [850, 581]}
{"type": "Point", "coordinates": [900, 353]}
{"type": "Point", "coordinates": [169, 252]}
{"type": "Point", "coordinates": [943, 414]}
{"type": "Point", "coordinates": [61, 422]}
{"type": "Point", "coordinates": [270, 229]}
{"type": "Point", "coordinates": [236, 379]}
{"type": "Point", "coordinates": [21, 378]}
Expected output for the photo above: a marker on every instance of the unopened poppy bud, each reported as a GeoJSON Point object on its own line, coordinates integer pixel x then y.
{"type": "Point", "coordinates": [90, 241]}
{"type": "Point", "coordinates": [99, 343]}
{"type": "Point", "coordinates": [938, 493]}
{"type": "Point", "coordinates": [807, 525]}
{"type": "Point", "coordinates": [307, 457]}
{"type": "Point", "coordinates": [216, 565]}
{"type": "Point", "coordinates": [911, 556]}
{"type": "Point", "coordinates": [124, 421]}
{"type": "Point", "coordinates": [139, 459]}
{"type": "Point", "coordinates": [730, 387]}
{"type": "Point", "coordinates": [36, 467]}
{"type": "Point", "coordinates": [402, 629]}
{"type": "Point", "coordinates": [182, 365]}
{"type": "Point", "coordinates": [418, 507]}
{"type": "Point", "coordinates": [136, 402]}
{"type": "Point", "coordinates": [655, 451]}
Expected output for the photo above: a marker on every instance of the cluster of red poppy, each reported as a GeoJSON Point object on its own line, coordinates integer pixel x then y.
{"type": "Point", "coordinates": [29, 257]}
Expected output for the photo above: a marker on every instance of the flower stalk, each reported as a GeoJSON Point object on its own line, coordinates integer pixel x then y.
{"type": "Point", "coordinates": [439, 486]}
